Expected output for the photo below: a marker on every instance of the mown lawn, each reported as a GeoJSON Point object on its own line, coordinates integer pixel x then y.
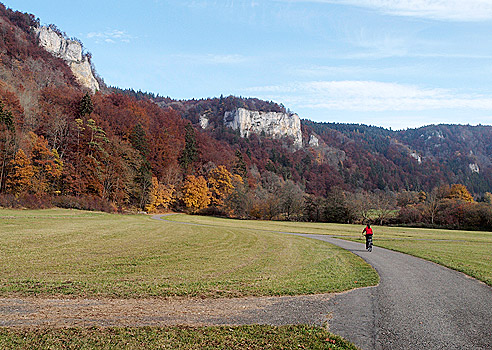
{"type": "Point", "coordinates": [466, 251]}
{"type": "Point", "coordinates": [77, 253]}
{"type": "Point", "coordinates": [244, 337]}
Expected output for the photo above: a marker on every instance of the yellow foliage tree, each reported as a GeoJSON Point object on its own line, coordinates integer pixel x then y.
{"type": "Point", "coordinates": [20, 178]}
{"type": "Point", "coordinates": [196, 194]}
{"type": "Point", "coordinates": [220, 184]}
{"type": "Point", "coordinates": [160, 196]}
{"type": "Point", "coordinates": [47, 165]}
{"type": "Point", "coordinates": [460, 192]}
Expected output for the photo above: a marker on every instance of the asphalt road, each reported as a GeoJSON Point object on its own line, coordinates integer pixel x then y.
{"type": "Point", "coordinates": [417, 305]}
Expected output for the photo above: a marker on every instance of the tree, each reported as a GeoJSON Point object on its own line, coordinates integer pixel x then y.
{"type": "Point", "coordinates": [196, 194]}
{"type": "Point", "coordinates": [6, 118]}
{"type": "Point", "coordinates": [313, 208]}
{"type": "Point", "coordinates": [239, 167]}
{"type": "Point", "coordinates": [220, 185]}
{"type": "Point", "coordinates": [487, 197]}
{"type": "Point", "coordinates": [361, 205]}
{"type": "Point", "coordinates": [239, 203]}
{"type": "Point", "coordinates": [20, 177]}
{"type": "Point", "coordinates": [46, 164]}
{"type": "Point", "coordinates": [433, 200]}
{"type": "Point", "coordinates": [190, 151]}
{"type": "Point", "coordinates": [460, 192]}
{"type": "Point", "coordinates": [86, 106]}
{"type": "Point", "coordinates": [160, 196]}
{"type": "Point", "coordinates": [138, 139]}
{"type": "Point", "coordinates": [291, 200]}
{"type": "Point", "coordinates": [384, 203]}
{"type": "Point", "coordinates": [7, 142]}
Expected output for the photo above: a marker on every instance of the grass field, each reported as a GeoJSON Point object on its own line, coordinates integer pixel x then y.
{"type": "Point", "coordinates": [76, 253]}
{"type": "Point", "coordinates": [466, 251]}
{"type": "Point", "coordinates": [244, 337]}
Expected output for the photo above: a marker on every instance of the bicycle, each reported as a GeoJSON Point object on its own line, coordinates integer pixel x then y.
{"type": "Point", "coordinates": [368, 242]}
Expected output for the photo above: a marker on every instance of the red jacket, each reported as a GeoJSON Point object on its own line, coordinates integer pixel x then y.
{"type": "Point", "coordinates": [368, 231]}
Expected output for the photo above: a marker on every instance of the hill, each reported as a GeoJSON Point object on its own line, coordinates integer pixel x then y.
{"type": "Point", "coordinates": [60, 140]}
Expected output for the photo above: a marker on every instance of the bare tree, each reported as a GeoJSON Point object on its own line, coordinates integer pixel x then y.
{"type": "Point", "coordinates": [385, 205]}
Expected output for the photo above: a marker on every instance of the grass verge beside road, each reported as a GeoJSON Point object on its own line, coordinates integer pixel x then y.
{"type": "Point", "coordinates": [84, 254]}
{"type": "Point", "coordinates": [244, 337]}
{"type": "Point", "coordinates": [465, 251]}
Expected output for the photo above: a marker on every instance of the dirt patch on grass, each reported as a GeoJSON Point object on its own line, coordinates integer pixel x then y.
{"type": "Point", "coordinates": [39, 312]}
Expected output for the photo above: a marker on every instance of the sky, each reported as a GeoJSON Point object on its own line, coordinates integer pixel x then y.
{"type": "Point", "coordinates": [392, 63]}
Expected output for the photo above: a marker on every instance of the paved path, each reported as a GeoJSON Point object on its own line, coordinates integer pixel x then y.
{"type": "Point", "coordinates": [417, 305]}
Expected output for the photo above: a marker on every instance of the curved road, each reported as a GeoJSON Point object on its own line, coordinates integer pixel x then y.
{"type": "Point", "coordinates": [417, 305]}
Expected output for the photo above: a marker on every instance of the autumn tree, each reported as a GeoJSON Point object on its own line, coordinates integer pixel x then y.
{"type": "Point", "coordinates": [433, 200]}
{"type": "Point", "coordinates": [160, 196]}
{"type": "Point", "coordinates": [291, 200]}
{"type": "Point", "coordinates": [240, 202]}
{"type": "Point", "coordinates": [460, 192]}
{"type": "Point", "coordinates": [220, 185]}
{"type": "Point", "coordinates": [196, 194]}
{"type": "Point", "coordinates": [21, 174]}
{"type": "Point", "coordinates": [46, 164]}
{"type": "Point", "coordinates": [385, 204]}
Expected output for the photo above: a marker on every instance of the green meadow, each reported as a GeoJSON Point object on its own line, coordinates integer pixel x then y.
{"type": "Point", "coordinates": [466, 251]}
{"type": "Point", "coordinates": [88, 254]}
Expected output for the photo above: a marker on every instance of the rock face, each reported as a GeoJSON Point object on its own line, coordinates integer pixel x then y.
{"type": "Point", "coordinates": [71, 52]}
{"type": "Point", "coordinates": [272, 124]}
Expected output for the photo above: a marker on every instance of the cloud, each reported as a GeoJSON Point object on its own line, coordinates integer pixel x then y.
{"type": "Point", "coordinates": [445, 10]}
{"type": "Point", "coordinates": [370, 96]}
{"type": "Point", "coordinates": [110, 36]}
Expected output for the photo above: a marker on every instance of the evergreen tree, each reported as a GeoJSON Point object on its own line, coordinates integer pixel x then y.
{"type": "Point", "coordinates": [190, 151]}
{"type": "Point", "coordinates": [6, 118]}
{"type": "Point", "coordinates": [239, 167]}
{"type": "Point", "coordinates": [138, 139]}
{"type": "Point", "coordinates": [86, 106]}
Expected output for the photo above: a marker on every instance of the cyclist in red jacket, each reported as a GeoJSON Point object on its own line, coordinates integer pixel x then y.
{"type": "Point", "coordinates": [368, 233]}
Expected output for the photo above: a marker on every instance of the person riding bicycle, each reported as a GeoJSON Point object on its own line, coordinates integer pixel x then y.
{"type": "Point", "coordinates": [368, 233]}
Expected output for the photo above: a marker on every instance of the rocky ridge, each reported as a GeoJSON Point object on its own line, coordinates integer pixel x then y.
{"type": "Point", "coordinates": [71, 52]}
{"type": "Point", "coordinates": [273, 124]}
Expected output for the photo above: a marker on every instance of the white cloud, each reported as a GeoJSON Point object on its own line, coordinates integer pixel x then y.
{"type": "Point", "coordinates": [110, 36]}
{"type": "Point", "coordinates": [370, 96]}
{"type": "Point", "coordinates": [447, 10]}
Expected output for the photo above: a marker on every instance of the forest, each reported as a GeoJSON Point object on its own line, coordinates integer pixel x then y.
{"type": "Point", "coordinates": [127, 151]}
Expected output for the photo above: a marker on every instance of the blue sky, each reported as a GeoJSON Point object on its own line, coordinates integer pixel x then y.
{"type": "Point", "coordinates": [391, 63]}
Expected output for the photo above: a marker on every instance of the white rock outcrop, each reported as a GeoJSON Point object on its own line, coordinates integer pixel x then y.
{"type": "Point", "coordinates": [273, 124]}
{"type": "Point", "coordinates": [204, 122]}
{"type": "Point", "coordinates": [71, 52]}
{"type": "Point", "coordinates": [417, 157]}
{"type": "Point", "coordinates": [474, 168]}
{"type": "Point", "coordinates": [313, 141]}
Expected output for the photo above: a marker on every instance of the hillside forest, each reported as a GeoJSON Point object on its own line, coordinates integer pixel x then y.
{"type": "Point", "coordinates": [128, 151]}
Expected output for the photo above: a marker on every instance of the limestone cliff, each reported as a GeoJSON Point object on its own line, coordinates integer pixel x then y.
{"type": "Point", "coordinates": [273, 124]}
{"type": "Point", "coordinates": [71, 52]}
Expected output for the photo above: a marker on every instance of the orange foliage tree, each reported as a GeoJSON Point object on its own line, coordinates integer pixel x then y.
{"type": "Point", "coordinates": [460, 192]}
{"type": "Point", "coordinates": [21, 174]}
{"type": "Point", "coordinates": [160, 195]}
{"type": "Point", "coordinates": [220, 184]}
{"type": "Point", "coordinates": [47, 165]}
{"type": "Point", "coordinates": [196, 194]}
